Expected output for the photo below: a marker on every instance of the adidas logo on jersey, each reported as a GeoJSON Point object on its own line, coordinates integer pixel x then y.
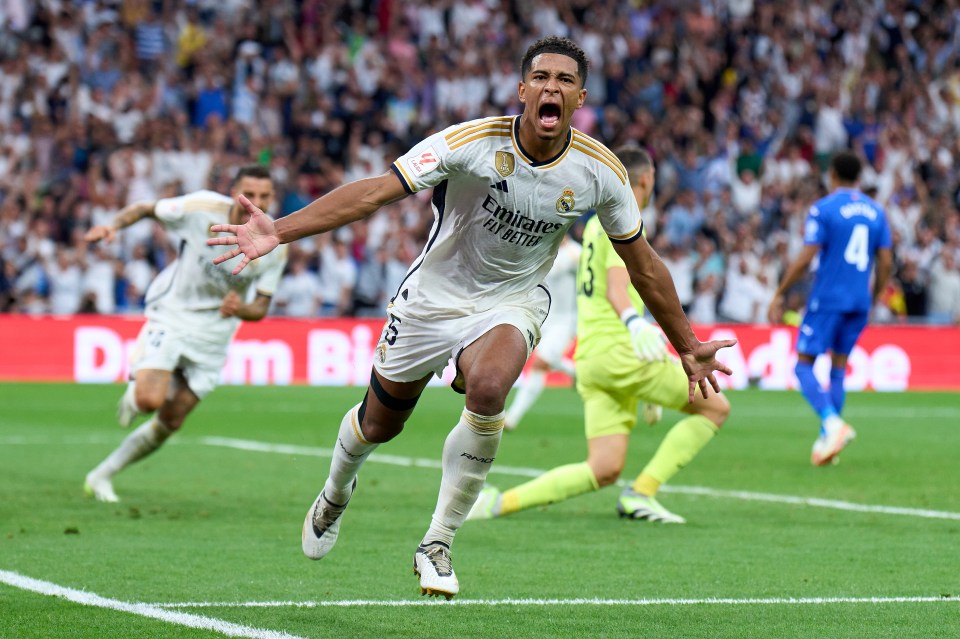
{"type": "Point", "coordinates": [500, 186]}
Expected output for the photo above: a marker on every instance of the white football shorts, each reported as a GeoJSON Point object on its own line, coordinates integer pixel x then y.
{"type": "Point", "coordinates": [558, 332]}
{"type": "Point", "coordinates": [411, 348]}
{"type": "Point", "coordinates": [160, 347]}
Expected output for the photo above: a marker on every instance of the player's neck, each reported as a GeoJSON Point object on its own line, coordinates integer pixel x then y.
{"type": "Point", "coordinates": [537, 148]}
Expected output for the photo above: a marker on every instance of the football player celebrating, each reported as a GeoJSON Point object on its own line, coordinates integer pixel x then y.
{"type": "Point", "coordinates": [505, 191]}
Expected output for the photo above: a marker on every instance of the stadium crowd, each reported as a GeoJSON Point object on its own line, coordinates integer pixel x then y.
{"type": "Point", "coordinates": [741, 103]}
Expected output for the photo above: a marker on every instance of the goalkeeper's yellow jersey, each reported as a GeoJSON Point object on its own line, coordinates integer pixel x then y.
{"type": "Point", "coordinates": [599, 328]}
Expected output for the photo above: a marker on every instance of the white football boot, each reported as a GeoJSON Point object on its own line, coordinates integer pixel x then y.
{"type": "Point", "coordinates": [633, 505]}
{"type": "Point", "coordinates": [322, 525]}
{"type": "Point", "coordinates": [433, 564]}
{"type": "Point", "coordinates": [834, 437]}
{"type": "Point", "coordinates": [485, 506]}
{"type": "Point", "coordinates": [96, 485]}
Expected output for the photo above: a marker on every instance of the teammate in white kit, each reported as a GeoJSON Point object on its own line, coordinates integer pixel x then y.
{"type": "Point", "coordinates": [193, 310]}
{"type": "Point", "coordinates": [558, 333]}
{"type": "Point", "coordinates": [505, 191]}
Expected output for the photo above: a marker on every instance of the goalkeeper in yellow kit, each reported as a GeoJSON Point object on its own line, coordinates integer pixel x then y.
{"type": "Point", "coordinates": [621, 360]}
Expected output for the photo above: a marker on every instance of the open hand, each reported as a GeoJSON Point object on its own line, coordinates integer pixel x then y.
{"type": "Point", "coordinates": [775, 310]}
{"type": "Point", "coordinates": [103, 232]}
{"type": "Point", "coordinates": [254, 239]}
{"type": "Point", "coordinates": [700, 364]}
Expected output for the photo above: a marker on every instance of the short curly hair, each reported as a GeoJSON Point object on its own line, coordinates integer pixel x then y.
{"type": "Point", "coordinates": [556, 44]}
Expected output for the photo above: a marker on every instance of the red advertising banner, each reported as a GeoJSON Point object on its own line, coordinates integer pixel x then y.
{"type": "Point", "coordinates": [339, 352]}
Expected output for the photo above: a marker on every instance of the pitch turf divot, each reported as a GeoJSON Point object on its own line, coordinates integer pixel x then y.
{"type": "Point", "coordinates": [151, 611]}
{"type": "Point", "coordinates": [414, 462]}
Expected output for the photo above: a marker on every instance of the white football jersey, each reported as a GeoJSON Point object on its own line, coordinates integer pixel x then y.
{"type": "Point", "coordinates": [187, 294]}
{"type": "Point", "coordinates": [500, 216]}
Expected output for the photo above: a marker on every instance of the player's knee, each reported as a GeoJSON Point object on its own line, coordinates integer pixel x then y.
{"type": "Point", "coordinates": [149, 399]}
{"type": "Point", "coordinates": [607, 474]}
{"type": "Point", "coordinates": [486, 395]}
{"type": "Point", "coordinates": [380, 429]}
{"type": "Point", "coordinates": [542, 365]}
{"type": "Point", "coordinates": [718, 409]}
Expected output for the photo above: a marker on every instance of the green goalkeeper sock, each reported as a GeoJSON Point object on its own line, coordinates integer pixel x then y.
{"type": "Point", "coordinates": [678, 448]}
{"type": "Point", "coordinates": [555, 485]}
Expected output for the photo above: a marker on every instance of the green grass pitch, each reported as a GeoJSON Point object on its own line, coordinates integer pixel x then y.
{"type": "Point", "coordinates": [774, 547]}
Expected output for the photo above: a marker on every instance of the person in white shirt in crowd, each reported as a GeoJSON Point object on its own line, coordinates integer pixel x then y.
{"type": "Point", "coordinates": [944, 289]}
{"type": "Point", "coordinates": [299, 293]}
{"type": "Point", "coordinates": [338, 275]}
{"type": "Point", "coordinates": [65, 281]}
{"type": "Point", "coordinates": [100, 281]}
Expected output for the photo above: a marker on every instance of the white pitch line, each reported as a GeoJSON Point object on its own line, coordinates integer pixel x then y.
{"type": "Point", "coordinates": [151, 611]}
{"type": "Point", "coordinates": [397, 460]}
{"type": "Point", "coordinates": [762, 601]}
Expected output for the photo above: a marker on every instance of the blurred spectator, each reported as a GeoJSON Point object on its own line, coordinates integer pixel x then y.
{"type": "Point", "coordinates": [338, 276]}
{"type": "Point", "coordinates": [914, 289]}
{"type": "Point", "coordinates": [299, 293]}
{"type": "Point", "coordinates": [944, 291]}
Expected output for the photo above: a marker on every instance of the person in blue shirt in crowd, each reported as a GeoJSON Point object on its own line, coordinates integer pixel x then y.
{"type": "Point", "coordinates": [848, 234]}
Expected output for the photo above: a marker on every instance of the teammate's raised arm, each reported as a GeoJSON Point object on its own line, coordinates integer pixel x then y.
{"type": "Point", "coordinates": [348, 203]}
{"type": "Point", "coordinates": [127, 216]}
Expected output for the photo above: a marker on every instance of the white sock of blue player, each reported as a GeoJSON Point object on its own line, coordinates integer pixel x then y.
{"type": "Point", "coordinates": [838, 394]}
{"type": "Point", "coordinates": [351, 450]}
{"type": "Point", "coordinates": [530, 389]}
{"type": "Point", "coordinates": [567, 366]}
{"type": "Point", "coordinates": [813, 391]}
{"type": "Point", "coordinates": [468, 453]}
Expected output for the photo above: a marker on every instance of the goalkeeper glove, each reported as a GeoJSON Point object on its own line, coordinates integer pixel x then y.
{"type": "Point", "coordinates": [648, 342]}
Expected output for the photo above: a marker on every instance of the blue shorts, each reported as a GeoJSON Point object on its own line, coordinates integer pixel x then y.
{"type": "Point", "coordinates": [832, 331]}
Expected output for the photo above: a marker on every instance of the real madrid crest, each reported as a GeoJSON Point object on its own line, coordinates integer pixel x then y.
{"type": "Point", "coordinates": [504, 163]}
{"type": "Point", "coordinates": [566, 202]}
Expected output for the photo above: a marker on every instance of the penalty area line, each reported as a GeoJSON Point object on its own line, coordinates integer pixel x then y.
{"type": "Point", "coordinates": [719, 601]}
{"type": "Point", "coordinates": [151, 611]}
{"type": "Point", "coordinates": [703, 491]}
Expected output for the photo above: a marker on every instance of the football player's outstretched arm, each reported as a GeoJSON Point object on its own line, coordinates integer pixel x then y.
{"type": "Point", "coordinates": [882, 274]}
{"type": "Point", "coordinates": [128, 215]}
{"type": "Point", "coordinates": [791, 276]}
{"type": "Point", "coordinates": [653, 282]}
{"type": "Point", "coordinates": [348, 203]}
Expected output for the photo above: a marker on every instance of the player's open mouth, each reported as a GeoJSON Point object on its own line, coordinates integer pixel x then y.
{"type": "Point", "coordinates": [549, 115]}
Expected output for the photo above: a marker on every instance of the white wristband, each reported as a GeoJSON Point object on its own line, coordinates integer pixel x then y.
{"type": "Point", "coordinates": [628, 315]}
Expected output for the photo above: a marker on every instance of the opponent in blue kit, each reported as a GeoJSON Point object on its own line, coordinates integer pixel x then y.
{"type": "Point", "coordinates": [848, 233]}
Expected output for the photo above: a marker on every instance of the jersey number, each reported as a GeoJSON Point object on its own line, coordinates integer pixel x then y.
{"type": "Point", "coordinates": [586, 286]}
{"type": "Point", "coordinates": [857, 251]}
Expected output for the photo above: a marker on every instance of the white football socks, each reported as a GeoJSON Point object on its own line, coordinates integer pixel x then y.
{"type": "Point", "coordinates": [351, 450]}
{"type": "Point", "coordinates": [145, 439]}
{"type": "Point", "coordinates": [130, 397]}
{"type": "Point", "coordinates": [468, 453]}
{"type": "Point", "coordinates": [530, 389]}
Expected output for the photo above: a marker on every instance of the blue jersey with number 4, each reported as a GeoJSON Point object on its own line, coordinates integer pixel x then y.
{"type": "Point", "coordinates": [848, 227]}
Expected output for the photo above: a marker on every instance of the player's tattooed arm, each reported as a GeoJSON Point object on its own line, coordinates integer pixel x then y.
{"type": "Point", "coordinates": [128, 215]}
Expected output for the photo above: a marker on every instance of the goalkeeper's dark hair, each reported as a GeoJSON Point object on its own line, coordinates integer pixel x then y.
{"type": "Point", "coordinates": [556, 44]}
{"type": "Point", "coordinates": [634, 159]}
{"type": "Point", "coordinates": [846, 166]}
{"type": "Point", "coordinates": [257, 171]}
